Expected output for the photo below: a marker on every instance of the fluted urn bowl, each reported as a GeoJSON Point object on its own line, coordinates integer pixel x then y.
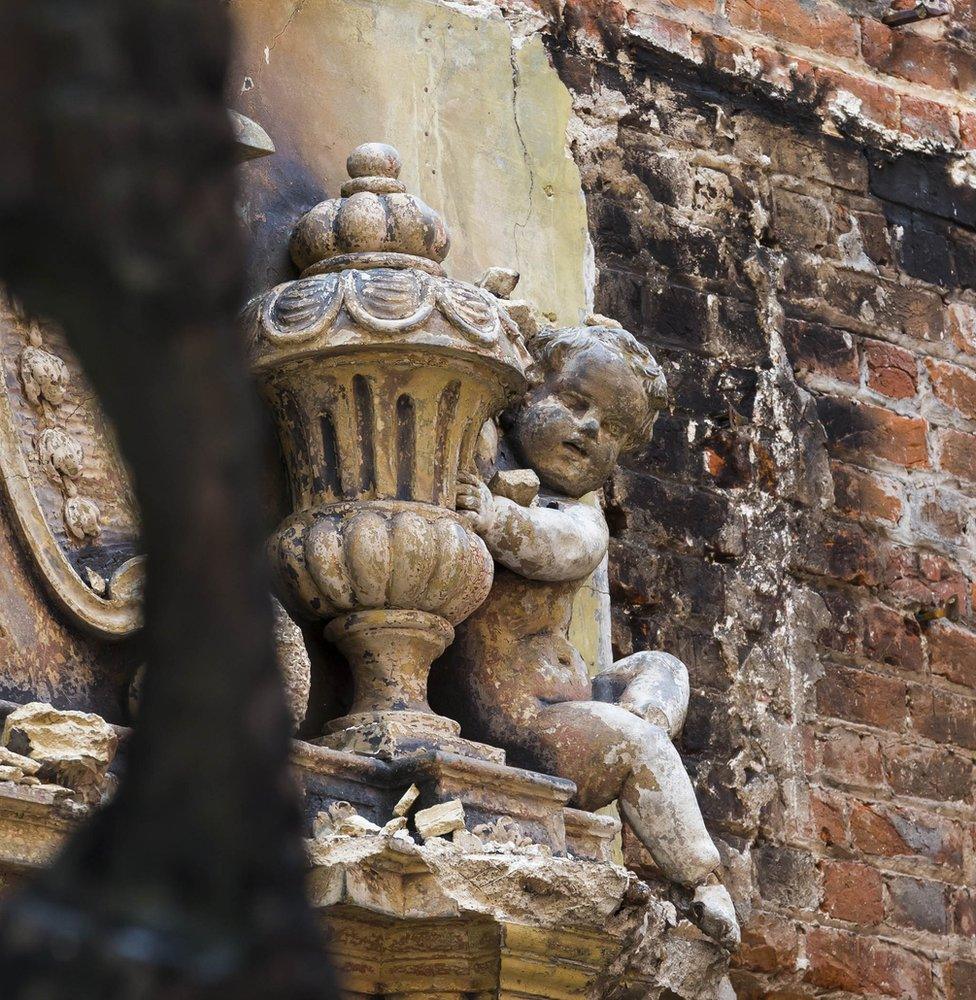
{"type": "Point", "coordinates": [380, 372]}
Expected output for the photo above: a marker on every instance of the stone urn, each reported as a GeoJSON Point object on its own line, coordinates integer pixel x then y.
{"type": "Point", "coordinates": [380, 372]}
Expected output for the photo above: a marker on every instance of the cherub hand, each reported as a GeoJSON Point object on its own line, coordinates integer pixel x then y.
{"type": "Point", "coordinates": [475, 502]}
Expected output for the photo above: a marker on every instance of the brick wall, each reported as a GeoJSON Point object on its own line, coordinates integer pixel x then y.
{"type": "Point", "coordinates": [780, 211]}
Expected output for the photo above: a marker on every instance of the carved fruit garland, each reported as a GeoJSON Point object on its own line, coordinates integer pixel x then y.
{"type": "Point", "coordinates": [45, 378]}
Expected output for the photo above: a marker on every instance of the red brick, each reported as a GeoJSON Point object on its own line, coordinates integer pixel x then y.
{"type": "Point", "coordinates": [769, 943]}
{"type": "Point", "coordinates": [891, 371]}
{"type": "Point", "coordinates": [813, 347]}
{"type": "Point", "coordinates": [596, 22]}
{"type": "Point", "coordinates": [858, 696]}
{"type": "Point", "coordinates": [929, 773]}
{"type": "Point", "coordinates": [960, 980]}
{"type": "Point", "coordinates": [928, 120]}
{"type": "Point", "coordinates": [943, 716]}
{"type": "Point", "coordinates": [800, 221]}
{"type": "Point", "coordinates": [787, 876]}
{"type": "Point", "coordinates": [893, 638]}
{"type": "Point", "coordinates": [724, 54]}
{"type": "Point", "coordinates": [958, 453]}
{"type": "Point", "coordinates": [708, 6]}
{"type": "Point", "coordinates": [874, 833]}
{"type": "Point", "coordinates": [918, 904]}
{"type": "Point", "coordinates": [962, 323]}
{"type": "Point", "coordinates": [943, 514]}
{"type": "Point", "coordinates": [661, 33]}
{"type": "Point", "coordinates": [842, 629]}
{"type": "Point", "coordinates": [964, 913]}
{"type": "Point", "coordinates": [889, 832]}
{"type": "Point", "coordinates": [952, 653]}
{"type": "Point", "coordinates": [843, 551]}
{"type": "Point", "coordinates": [852, 758]}
{"type": "Point", "coordinates": [824, 27]}
{"type": "Point", "coordinates": [827, 820]}
{"type": "Point", "coordinates": [785, 72]}
{"type": "Point", "coordinates": [864, 432]}
{"type": "Point", "coordinates": [852, 891]}
{"type": "Point", "coordinates": [953, 385]}
{"type": "Point", "coordinates": [862, 494]}
{"type": "Point", "coordinates": [906, 54]}
{"type": "Point", "coordinates": [967, 130]}
{"type": "Point", "coordinates": [924, 579]}
{"type": "Point", "coordinates": [963, 58]}
{"type": "Point", "coordinates": [877, 102]}
{"type": "Point", "coordinates": [859, 964]}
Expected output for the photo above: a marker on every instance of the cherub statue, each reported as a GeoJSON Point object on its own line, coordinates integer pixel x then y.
{"type": "Point", "coordinates": [514, 679]}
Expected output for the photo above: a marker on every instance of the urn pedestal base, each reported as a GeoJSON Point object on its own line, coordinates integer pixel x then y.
{"type": "Point", "coordinates": [390, 652]}
{"type": "Point", "coordinates": [393, 735]}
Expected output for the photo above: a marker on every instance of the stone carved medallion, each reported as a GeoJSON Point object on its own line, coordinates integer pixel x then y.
{"type": "Point", "coordinates": [65, 487]}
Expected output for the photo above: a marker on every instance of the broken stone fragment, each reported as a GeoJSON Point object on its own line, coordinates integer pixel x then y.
{"type": "Point", "coordinates": [322, 826]}
{"type": "Point", "coordinates": [409, 797]}
{"type": "Point", "coordinates": [500, 281]}
{"type": "Point", "coordinates": [16, 775]}
{"type": "Point", "coordinates": [341, 820]}
{"type": "Point", "coordinates": [526, 317]}
{"type": "Point", "coordinates": [597, 319]}
{"type": "Point", "coordinates": [72, 749]}
{"type": "Point", "coordinates": [521, 486]}
{"type": "Point", "coordinates": [355, 826]}
{"type": "Point", "coordinates": [394, 825]}
{"type": "Point", "coordinates": [439, 820]}
{"type": "Point", "coordinates": [466, 841]}
{"type": "Point", "coordinates": [11, 761]}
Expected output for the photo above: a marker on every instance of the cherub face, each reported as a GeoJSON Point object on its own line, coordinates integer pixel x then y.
{"type": "Point", "coordinates": [573, 426]}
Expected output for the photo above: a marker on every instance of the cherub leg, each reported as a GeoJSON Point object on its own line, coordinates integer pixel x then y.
{"type": "Point", "coordinates": [653, 685]}
{"type": "Point", "coordinates": [612, 754]}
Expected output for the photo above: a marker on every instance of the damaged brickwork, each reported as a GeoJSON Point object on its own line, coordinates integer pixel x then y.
{"type": "Point", "coordinates": [783, 209]}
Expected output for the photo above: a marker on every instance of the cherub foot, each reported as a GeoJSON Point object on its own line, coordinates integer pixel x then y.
{"type": "Point", "coordinates": [715, 915]}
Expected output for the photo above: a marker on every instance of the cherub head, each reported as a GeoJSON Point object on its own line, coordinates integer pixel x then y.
{"type": "Point", "coordinates": [599, 395]}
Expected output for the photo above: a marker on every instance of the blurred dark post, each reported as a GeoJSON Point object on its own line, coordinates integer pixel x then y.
{"type": "Point", "coordinates": [117, 221]}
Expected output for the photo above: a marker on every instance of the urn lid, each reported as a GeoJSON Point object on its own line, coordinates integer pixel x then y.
{"type": "Point", "coordinates": [375, 223]}
{"type": "Point", "coordinates": [371, 277]}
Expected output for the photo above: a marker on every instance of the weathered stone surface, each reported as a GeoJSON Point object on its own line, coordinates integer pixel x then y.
{"type": "Point", "coordinates": [406, 802]}
{"type": "Point", "coordinates": [293, 659]}
{"type": "Point", "coordinates": [440, 819]}
{"type": "Point", "coordinates": [73, 749]}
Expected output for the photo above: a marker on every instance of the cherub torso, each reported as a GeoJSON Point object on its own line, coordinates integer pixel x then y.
{"type": "Point", "coordinates": [511, 659]}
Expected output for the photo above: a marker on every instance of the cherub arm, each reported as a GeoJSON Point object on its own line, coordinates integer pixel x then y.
{"type": "Point", "coordinates": [539, 543]}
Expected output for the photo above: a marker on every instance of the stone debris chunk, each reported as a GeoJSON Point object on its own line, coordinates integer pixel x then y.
{"type": "Point", "coordinates": [526, 317]}
{"type": "Point", "coordinates": [500, 281]}
{"type": "Point", "coordinates": [394, 825]}
{"type": "Point", "coordinates": [341, 820]}
{"type": "Point", "coordinates": [466, 841]}
{"type": "Point", "coordinates": [439, 820]}
{"type": "Point", "coordinates": [72, 749]}
{"type": "Point", "coordinates": [11, 762]}
{"type": "Point", "coordinates": [356, 826]}
{"type": "Point", "coordinates": [521, 486]}
{"type": "Point", "coordinates": [409, 797]}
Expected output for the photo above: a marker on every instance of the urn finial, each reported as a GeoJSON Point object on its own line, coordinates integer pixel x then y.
{"type": "Point", "coordinates": [375, 223]}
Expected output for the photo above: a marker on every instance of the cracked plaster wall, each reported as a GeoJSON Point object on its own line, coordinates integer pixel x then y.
{"type": "Point", "coordinates": [477, 112]}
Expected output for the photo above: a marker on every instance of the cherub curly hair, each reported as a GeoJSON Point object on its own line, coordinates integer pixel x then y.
{"type": "Point", "coordinates": [550, 347]}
